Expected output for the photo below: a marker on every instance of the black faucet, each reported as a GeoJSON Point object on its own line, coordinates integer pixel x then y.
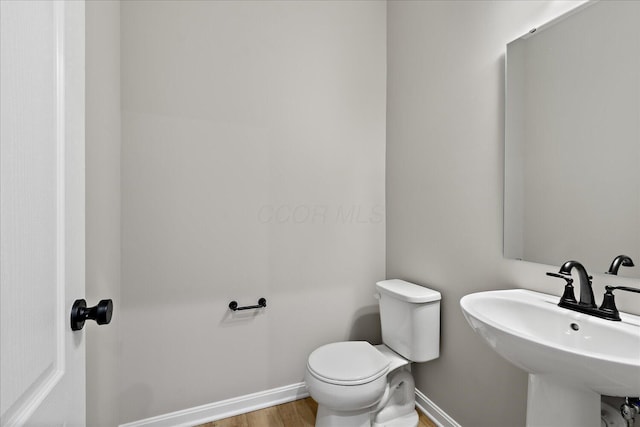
{"type": "Point", "coordinates": [620, 260]}
{"type": "Point", "coordinates": [587, 305]}
{"type": "Point", "coordinates": [568, 300]}
{"type": "Point", "coordinates": [586, 292]}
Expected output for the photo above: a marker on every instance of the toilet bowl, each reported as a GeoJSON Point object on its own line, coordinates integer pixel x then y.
{"type": "Point", "coordinates": [347, 376]}
{"type": "Point", "coordinates": [357, 384]}
{"type": "Point", "coordinates": [354, 384]}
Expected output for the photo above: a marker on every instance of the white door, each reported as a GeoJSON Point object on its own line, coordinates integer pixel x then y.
{"type": "Point", "coordinates": [41, 212]}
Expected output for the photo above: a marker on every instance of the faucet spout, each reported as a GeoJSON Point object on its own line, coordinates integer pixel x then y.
{"type": "Point", "coordinates": [586, 291]}
{"type": "Point", "coordinates": [620, 261]}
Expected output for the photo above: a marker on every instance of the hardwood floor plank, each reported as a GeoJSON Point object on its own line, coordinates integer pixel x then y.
{"type": "Point", "coordinates": [312, 404]}
{"type": "Point", "coordinates": [237, 421]}
{"type": "Point", "coordinates": [291, 416]}
{"type": "Point", "coordinates": [304, 412]}
{"type": "Point", "coordinates": [424, 421]}
{"type": "Point", "coordinates": [267, 417]}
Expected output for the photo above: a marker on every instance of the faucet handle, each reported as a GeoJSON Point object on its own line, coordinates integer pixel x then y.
{"type": "Point", "coordinates": [609, 304]}
{"type": "Point", "coordinates": [561, 276]}
{"type": "Point", "coordinates": [622, 288]}
{"type": "Point", "coordinates": [568, 295]}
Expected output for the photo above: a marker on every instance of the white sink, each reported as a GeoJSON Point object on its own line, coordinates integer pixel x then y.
{"type": "Point", "coordinates": [572, 358]}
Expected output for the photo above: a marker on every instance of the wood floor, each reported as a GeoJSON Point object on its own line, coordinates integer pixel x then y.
{"type": "Point", "coordinates": [299, 413]}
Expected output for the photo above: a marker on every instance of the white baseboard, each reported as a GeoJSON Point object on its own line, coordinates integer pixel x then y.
{"type": "Point", "coordinates": [433, 411]}
{"type": "Point", "coordinates": [225, 408]}
{"type": "Point", "coordinates": [264, 399]}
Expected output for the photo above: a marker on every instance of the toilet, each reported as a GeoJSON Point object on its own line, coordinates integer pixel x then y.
{"type": "Point", "coordinates": [357, 384]}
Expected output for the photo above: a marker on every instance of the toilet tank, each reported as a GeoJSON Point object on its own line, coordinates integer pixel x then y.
{"type": "Point", "coordinates": [410, 319]}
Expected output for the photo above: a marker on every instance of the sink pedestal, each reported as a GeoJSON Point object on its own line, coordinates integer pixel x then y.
{"type": "Point", "coordinates": [554, 401]}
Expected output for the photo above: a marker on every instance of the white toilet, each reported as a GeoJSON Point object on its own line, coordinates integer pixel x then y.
{"type": "Point", "coordinates": [357, 384]}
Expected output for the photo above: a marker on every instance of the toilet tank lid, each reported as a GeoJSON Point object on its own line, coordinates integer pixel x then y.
{"type": "Point", "coordinates": [409, 292]}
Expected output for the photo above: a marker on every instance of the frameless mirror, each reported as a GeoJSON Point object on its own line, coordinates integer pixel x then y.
{"type": "Point", "coordinates": [572, 139]}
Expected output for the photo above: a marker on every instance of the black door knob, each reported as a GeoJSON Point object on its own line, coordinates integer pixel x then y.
{"type": "Point", "coordinates": [101, 313]}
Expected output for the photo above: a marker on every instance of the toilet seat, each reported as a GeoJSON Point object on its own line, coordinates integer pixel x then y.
{"type": "Point", "coordinates": [348, 363]}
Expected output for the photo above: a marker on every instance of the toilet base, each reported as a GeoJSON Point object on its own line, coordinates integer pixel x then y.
{"type": "Point", "coordinates": [395, 408]}
{"type": "Point", "coordinates": [329, 418]}
{"type": "Point", "coordinates": [407, 420]}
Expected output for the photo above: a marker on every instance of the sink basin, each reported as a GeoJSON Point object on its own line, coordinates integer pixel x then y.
{"type": "Point", "coordinates": [569, 356]}
{"type": "Point", "coordinates": [528, 329]}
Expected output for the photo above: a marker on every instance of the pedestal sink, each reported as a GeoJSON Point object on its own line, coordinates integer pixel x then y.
{"type": "Point", "coordinates": [572, 358]}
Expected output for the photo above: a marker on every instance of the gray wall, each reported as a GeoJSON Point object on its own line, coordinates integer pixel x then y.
{"type": "Point", "coordinates": [252, 166]}
{"type": "Point", "coordinates": [244, 166]}
{"type": "Point", "coordinates": [444, 187]}
{"type": "Point", "coordinates": [102, 31]}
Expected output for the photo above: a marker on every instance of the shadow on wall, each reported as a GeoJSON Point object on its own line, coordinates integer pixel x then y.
{"type": "Point", "coordinates": [366, 325]}
{"type": "Point", "coordinates": [238, 318]}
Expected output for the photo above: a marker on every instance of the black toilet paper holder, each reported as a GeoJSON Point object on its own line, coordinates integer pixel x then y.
{"type": "Point", "coordinates": [233, 305]}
